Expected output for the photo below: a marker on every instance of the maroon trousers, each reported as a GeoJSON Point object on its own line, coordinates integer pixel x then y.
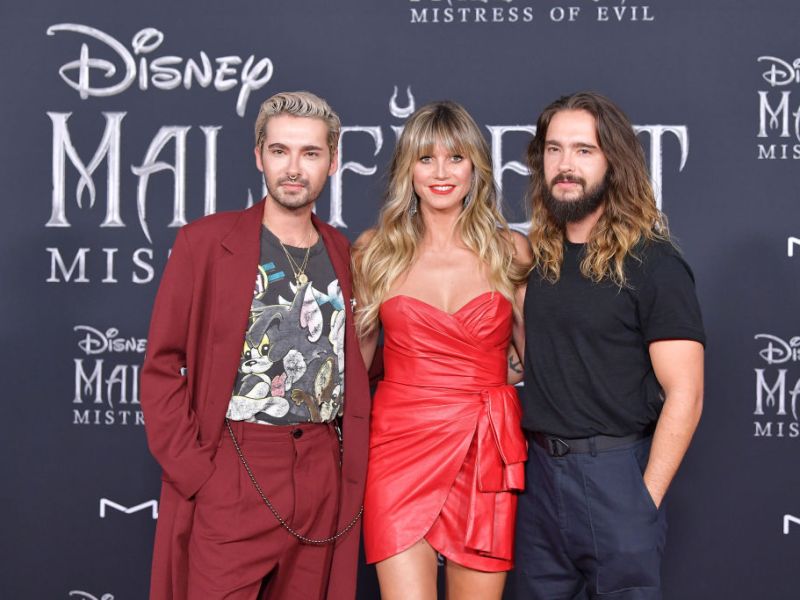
{"type": "Point", "coordinates": [238, 550]}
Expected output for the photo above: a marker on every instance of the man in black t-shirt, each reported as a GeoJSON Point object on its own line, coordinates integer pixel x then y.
{"type": "Point", "coordinates": [613, 362]}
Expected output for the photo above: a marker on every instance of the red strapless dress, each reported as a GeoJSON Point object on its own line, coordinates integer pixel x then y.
{"type": "Point", "coordinates": [446, 448]}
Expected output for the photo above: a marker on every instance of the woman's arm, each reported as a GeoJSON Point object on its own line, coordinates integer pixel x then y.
{"type": "Point", "coordinates": [524, 257]}
{"type": "Point", "coordinates": [514, 366]}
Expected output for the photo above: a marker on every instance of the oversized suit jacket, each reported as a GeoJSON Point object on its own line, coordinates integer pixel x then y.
{"type": "Point", "coordinates": [193, 351]}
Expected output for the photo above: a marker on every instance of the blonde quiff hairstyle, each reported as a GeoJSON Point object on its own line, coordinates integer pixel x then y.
{"type": "Point", "coordinates": [298, 104]}
{"type": "Point", "coordinates": [630, 214]}
{"type": "Point", "coordinates": [391, 251]}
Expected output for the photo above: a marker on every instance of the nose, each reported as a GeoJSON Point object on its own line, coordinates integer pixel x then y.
{"type": "Point", "coordinates": [293, 168]}
{"type": "Point", "coordinates": [565, 164]}
{"type": "Point", "coordinates": [441, 169]}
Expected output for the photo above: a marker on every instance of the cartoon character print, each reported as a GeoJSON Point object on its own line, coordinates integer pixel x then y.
{"type": "Point", "coordinates": [286, 340]}
{"type": "Point", "coordinates": [336, 335]}
{"type": "Point", "coordinates": [257, 392]}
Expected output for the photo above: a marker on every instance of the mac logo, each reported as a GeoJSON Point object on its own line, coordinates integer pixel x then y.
{"type": "Point", "coordinates": [790, 244]}
{"type": "Point", "coordinates": [106, 504]}
{"type": "Point", "coordinates": [787, 522]}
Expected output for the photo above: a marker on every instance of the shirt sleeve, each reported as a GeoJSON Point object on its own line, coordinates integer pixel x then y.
{"type": "Point", "coordinates": [668, 306]}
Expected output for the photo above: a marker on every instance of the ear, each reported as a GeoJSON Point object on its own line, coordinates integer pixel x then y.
{"type": "Point", "coordinates": [259, 164]}
{"type": "Point", "coordinates": [334, 163]}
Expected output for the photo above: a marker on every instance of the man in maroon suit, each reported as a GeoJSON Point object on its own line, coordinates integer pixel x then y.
{"type": "Point", "coordinates": [260, 430]}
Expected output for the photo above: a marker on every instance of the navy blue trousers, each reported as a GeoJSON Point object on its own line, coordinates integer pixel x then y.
{"type": "Point", "coordinates": [588, 528]}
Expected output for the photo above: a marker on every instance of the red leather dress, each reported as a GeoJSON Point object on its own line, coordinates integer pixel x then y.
{"type": "Point", "coordinates": [446, 447]}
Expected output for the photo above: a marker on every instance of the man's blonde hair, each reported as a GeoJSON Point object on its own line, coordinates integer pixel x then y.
{"type": "Point", "coordinates": [298, 104]}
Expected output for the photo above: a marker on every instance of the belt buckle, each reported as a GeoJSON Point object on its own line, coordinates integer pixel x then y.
{"type": "Point", "coordinates": [557, 447]}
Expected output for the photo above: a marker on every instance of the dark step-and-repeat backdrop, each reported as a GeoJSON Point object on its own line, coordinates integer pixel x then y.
{"type": "Point", "coordinates": [123, 121]}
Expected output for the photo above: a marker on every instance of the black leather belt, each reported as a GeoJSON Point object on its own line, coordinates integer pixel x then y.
{"type": "Point", "coordinates": [557, 447]}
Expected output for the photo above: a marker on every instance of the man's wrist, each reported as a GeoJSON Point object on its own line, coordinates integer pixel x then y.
{"type": "Point", "coordinates": [655, 491]}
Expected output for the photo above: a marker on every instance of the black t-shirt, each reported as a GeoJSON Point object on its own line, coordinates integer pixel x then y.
{"type": "Point", "coordinates": [292, 365]}
{"type": "Point", "coordinates": [587, 365]}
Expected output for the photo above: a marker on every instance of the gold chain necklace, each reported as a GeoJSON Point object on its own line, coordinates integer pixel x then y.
{"type": "Point", "coordinates": [300, 277]}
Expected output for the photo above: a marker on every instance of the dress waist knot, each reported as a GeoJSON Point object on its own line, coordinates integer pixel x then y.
{"type": "Point", "coordinates": [502, 451]}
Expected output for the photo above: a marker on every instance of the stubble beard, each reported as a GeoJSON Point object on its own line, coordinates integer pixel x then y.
{"type": "Point", "coordinates": [571, 211]}
{"type": "Point", "coordinates": [291, 201]}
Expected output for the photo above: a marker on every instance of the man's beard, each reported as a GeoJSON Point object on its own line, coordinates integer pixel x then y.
{"type": "Point", "coordinates": [571, 211]}
{"type": "Point", "coordinates": [294, 201]}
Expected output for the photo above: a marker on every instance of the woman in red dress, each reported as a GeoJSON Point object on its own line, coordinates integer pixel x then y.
{"type": "Point", "coordinates": [440, 275]}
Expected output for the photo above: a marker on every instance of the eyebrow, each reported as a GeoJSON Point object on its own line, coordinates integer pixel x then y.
{"type": "Point", "coordinates": [576, 144]}
{"type": "Point", "coordinates": [303, 148]}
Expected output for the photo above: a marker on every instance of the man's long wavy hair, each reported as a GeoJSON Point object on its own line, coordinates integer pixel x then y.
{"type": "Point", "coordinates": [630, 214]}
{"type": "Point", "coordinates": [379, 263]}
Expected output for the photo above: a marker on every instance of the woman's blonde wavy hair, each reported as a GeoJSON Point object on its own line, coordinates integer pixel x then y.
{"type": "Point", "coordinates": [392, 249]}
{"type": "Point", "coordinates": [630, 214]}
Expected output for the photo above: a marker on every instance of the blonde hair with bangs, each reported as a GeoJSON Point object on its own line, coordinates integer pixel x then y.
{"type": "Point", "coordinates": [391, 251]}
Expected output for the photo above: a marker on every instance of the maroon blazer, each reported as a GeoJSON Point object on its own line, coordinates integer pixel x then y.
{"type": "Point", "coordinates": [198, 324]}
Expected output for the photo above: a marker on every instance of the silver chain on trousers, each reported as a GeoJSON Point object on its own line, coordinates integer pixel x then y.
{"type": "Point", "coordinates": [281, 520]}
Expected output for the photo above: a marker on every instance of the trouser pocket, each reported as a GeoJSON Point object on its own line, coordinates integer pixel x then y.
{"type": "Point", "coordinates": [627, 528]}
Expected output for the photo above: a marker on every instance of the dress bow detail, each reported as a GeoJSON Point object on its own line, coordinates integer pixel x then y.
{"type": "Point", "coordinates": [502, 451]}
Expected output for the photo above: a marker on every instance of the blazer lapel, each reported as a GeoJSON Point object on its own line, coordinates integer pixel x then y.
{"type": "Point", "coordinates": [234, 281]}
{"type": "Point", "coordinates": [340, 260]}
{"type": "Point", "coordinates": [235, 276]}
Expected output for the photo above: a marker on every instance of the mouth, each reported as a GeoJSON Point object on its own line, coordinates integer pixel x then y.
{"type": "Point", "coordinates": [292, 185]}
{"type": "Point", "coordinates": [567, 183]}
{"type": "Point", "coordinates": [441, 190]}
{"type": "Point", "coordinates": [566, 179]}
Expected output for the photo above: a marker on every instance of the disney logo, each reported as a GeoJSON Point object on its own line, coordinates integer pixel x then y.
{"type": "Point", "coordinates": [163, 72]}
{"type": "Point", "coordinates": [88, 596]}
{"type": "Point", "coordinates": [780, 72]}
{"type": "Point", "coordinates": [778, 351]}
{"type": "Point", "coordinates": [95, 341]}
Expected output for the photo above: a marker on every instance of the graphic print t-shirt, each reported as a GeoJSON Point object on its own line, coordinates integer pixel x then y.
{"type": "Point", "coordinates": [292, 365]}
